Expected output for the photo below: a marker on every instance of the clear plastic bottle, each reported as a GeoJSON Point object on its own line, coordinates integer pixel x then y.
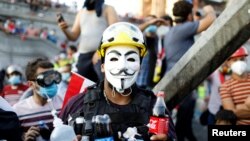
{"type": "Point", "coordinates": [62, 132]}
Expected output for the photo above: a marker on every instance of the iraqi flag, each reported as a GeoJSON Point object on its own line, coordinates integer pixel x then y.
{"type": "Point", "coordinates": [77, 84]}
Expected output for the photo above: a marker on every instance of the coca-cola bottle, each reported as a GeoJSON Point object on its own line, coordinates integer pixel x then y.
{"type": "Point", "coordinates": [102, 128]}
{"type": "Point", "coordinates": [158, 123]}
{"type": "Point", "coordinates": [79, 125]}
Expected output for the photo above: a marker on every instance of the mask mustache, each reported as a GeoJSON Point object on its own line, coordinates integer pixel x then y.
{"type": "Point", "coordinates": [123, 71]}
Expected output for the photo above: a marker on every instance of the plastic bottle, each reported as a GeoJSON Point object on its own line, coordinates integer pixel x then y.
{"type": "Point", "coordinates": [79, 125]}
{"type": "Point", "coordinates": [61, 131]}
{"type": "Point", "coordinates": [131, 134]}
{"type": "Point", "coordinates": [159, 120]}
{"type": "Point", "coordinates": [44, 131]}
{"type": "Point", "coordinates": [85, 138]}
{"type": "Point", "coordinates": [102, 128]}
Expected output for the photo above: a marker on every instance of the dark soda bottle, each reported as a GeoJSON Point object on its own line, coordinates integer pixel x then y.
{"type": "Point", "coordinates": [79, 125]}
{"type": "Point", "coordinates": [102, 128]}
{"type": "Point", "coordinates": [158, 123]}
{"type": "Point", "coordinates": [44, 130]}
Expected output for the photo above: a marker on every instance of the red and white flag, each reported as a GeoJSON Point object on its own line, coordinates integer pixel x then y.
{"type": "Point", "coordinates": [77, 84]}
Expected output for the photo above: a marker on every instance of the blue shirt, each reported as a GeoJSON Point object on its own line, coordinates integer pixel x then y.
{"type": "Point", "coordinates": [177, 41]}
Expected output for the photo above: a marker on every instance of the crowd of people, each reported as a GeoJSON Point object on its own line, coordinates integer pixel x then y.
{"type": "Point", "coordinates": [14, 26]}
{"type": "Point", "coordinates": [126, 61]}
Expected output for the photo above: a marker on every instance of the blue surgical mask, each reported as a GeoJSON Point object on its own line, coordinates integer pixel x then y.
{"type": "Point", "coordinates": [151, 29]}
{"type": "Point", "coordinates": [49, 91]}
{"type": "Point", "coordinates": [65, 76]}
{"type": "Point", "coordinates": [15, 79]}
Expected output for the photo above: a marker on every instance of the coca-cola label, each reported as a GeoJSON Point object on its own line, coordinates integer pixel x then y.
{"type": "Point", "coordinates": [158, 125]}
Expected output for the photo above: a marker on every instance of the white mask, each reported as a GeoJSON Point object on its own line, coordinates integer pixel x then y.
{"type": "Point", "coordinates": [239, 67]}
{"type": "Point", "coordinates": [162, 31]}
{"type": "Point", "coordinates": [122, 65]}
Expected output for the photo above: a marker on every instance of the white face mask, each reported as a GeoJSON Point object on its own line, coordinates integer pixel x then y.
{"type": "Point", "coordinates": [239, 67]}
{"type": "Point", "coordinates": [162, 31]}
{"type": "Point", "coordinates": [122, 65]}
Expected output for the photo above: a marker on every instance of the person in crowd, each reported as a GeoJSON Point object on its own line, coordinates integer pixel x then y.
{"type": "Point", "coordinates": [121, 50]}
{"type": "Point", "coordinates": [34, 112]}
{"type": "Point", "coordinates": [10, 129]}
{"type": "Point", "coordinates": [66, 75]}
{"type": "Point", "coordinates": [44, 33]}
{"type": "Point", "coordinates": [52, 36]}
{"type": "Point", "coordinates": [34, 5]}
{"type": "Point", "coordinates": [181, 36]}
{"type": "Point", "coordinates": [89, 24]}
{"type": "Point", "coordinates": [225, 117]}
{"type": "Point", "coordinates": [14, 90]}
{"type": "Point", "coordinates": [176, 42]}
{"type": "Point", "coordinates": [32, 31]}
{"type": "Point", "coordinates": [61, 60]}
{"type": "Point", "coordinates": [235, 92]}
{"type": "Point", "coordinates": [148, 27]}
{"type": "Point", "coordinates": [153, 28]}
{"type": "Point", "coordinates": [10, 26]}
{"type": "Point", "coordinates": [71, 53]}
{"type": "Point", "coordinates": [215, 80]}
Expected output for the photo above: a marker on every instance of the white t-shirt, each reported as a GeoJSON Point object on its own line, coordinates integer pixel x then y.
{"type": "Point", "coordinates": [5, 105]}
{"type": "Point", "coordinates": [30, 113]}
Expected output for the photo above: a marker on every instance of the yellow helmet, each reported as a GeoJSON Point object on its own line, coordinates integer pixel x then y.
{"type": "Point", "coordinates": [122, 33]}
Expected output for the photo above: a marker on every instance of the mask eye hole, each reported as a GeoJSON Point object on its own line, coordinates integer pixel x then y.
{"type": "Point", "coordinates": [131, 59]}
{"type": "Point", "coordinates": [113, 59]}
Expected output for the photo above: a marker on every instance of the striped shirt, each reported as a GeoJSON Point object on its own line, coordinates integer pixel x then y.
{"type": "Point", "coordinates": [238, 91]}
{"type": "Point", "coordinates": [30, 113]}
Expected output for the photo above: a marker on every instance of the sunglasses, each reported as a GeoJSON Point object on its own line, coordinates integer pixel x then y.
{"type": "Point", "coordinates": [48, 78]}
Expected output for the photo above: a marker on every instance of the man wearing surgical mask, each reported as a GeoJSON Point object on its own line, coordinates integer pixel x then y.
{"type": "Point", "coordinates": [34, 112]}
{"type": "Point", "coordinates": [235, 92]}
{"type": "Point", "coordinates": [66, 75]}
{"type": "Point", "coordinates": [121, 50]}
{"type": "Point", "coordinates": [154, 29]}
{"type": "Point", "coordinates": [14, 90]}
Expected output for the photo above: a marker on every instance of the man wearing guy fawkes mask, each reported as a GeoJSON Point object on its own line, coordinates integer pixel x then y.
{"type": "Point", "coordinates": [121, 50]}
{"type": "Point", "coordinates": [34, 112]}
{"type": "Point", "coordinates": [235, 92]}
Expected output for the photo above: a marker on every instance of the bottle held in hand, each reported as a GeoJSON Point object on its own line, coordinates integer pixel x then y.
{"type": "Point", "coordinates": [102, 128]}
{"type": "Point", "coordinates": [159, 121]}
{"type": "Point", "coordinates": [44, 130]}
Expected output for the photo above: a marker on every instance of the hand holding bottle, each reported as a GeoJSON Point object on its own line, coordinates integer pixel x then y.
{"type": "Point", "coordinates": [159, 121]}
{"type": "Point", "coordinates": [32, 133]}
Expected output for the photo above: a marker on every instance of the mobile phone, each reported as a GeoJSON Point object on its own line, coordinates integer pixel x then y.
{"type": "Point", "coordinates": [60, 18]}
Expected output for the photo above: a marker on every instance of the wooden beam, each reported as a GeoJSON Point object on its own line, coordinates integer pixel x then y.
{"type": "Point", "coordinates": [230, 30]}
